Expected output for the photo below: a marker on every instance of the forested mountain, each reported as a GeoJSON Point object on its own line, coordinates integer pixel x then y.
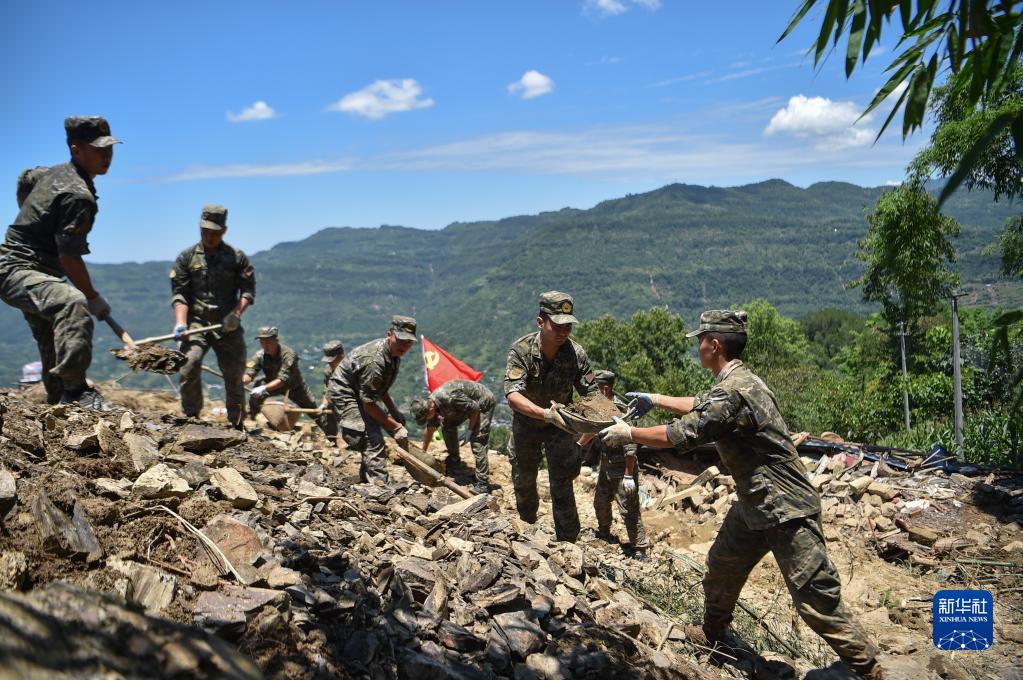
{"type": "Point", "coordinates": [473, 286]}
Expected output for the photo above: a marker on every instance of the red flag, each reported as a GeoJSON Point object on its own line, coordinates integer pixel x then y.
{"type": "Point", "coordinates": [442, 367]}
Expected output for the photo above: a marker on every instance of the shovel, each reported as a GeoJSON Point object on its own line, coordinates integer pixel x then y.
{"type": "Point", "coordinates": [146, 355]}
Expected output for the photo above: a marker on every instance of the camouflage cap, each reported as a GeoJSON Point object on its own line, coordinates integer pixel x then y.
{"type": "Point", "coordinates": [331, 350]}
{"type": "Point", "coordinates": [420, 409]}
{"type": "Point", "coordinates": [404, 327]}
{"type": "Point", "coordinates": [558, 306]}
{"type": "Point", "coordinates": [213, 217]}
{"type": "Point", "coordinates": [605, 378]}
{"type": "Point", "coordinates": [721, 321]}
{"type": "Point", "coordinates": [266, 332]}
{"type": "Point", "coordinates": [92, 129]}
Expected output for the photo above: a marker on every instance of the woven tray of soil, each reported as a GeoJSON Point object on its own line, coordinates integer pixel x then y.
{"type": "Point", "coordinates": [591, 414]}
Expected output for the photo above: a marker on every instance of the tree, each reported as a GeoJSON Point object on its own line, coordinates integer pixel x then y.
{"type": "Point", "coordinates": [649, 352]}
{"type": "Point", "coordinates": [978, 40]}
{"type": "Point", "coordinates": [907, 254]}
{"type": "Point", "coordinates": [959, 125]}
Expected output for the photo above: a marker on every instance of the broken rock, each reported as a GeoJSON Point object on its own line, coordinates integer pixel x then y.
{"type": "Point", "coordinates": [522, 631]}
{"type": "Point", "coordinates": [228, 610]}
{"type": "Point", "coordinates": [8, 491]}
{"type": "Point", "coordinates": [201, 438]}
{"type": "Point", "coordinates": [143, 450]}
{"type": "Point", "coordinates": [160, 481]}
{"type": "Point", "coordinates": [234, 488]}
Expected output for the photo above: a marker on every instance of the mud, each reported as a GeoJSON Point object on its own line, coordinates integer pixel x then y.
{"type": "Point", "coordinates": [151, 358]}
{"type": "Point", "coordinates": [595, 407]}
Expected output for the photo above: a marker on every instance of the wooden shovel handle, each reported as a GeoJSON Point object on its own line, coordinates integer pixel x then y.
{"type": "Point", "coordinates": [119, 331]}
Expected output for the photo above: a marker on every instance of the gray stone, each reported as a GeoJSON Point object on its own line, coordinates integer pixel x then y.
{"type": "Point", "coordinates": [234, 488]}
{"type": "Point", "coordinates": [160, 481]}
{"type": "Point", "coordinates": [143, 450]}
{"type": "Point", "coordinates": [469, 506]}
{"type": "Point", "coordinates": [13, 570]}
{"type": "Point", "coordinates": [112, 488]}
{"type": "Point", "coordinates": [82, 441]}
{"type": "Point", "coordinates": [229, 609]}
{"type": "Point", "coordinates": [522, 631]}
{"type": "Point", "coordinates": [547, 667]}
{"type": "Point", "coordinates": [150, 587]}
{"type": "Point", "coordinates": [203, 438]}
{"type": "Point", "coordinates": [8, 491]}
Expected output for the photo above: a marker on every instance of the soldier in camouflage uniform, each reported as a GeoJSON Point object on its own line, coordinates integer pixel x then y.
{"type": "Point", "coordinates": [281, 374]}
{"type": "Point", "coordinates": [212, 282]}
{"type": "Point", "coordinates": [447, 407]}
{"type": "Point", "coordinates": [333, 353]}
{"type": "Point", "coordinates": [42, 273]}
{"type": "Point", "coordinates": [358, 394]}
{"type": "Point", "coordinates": [543, 368]}
{"type": "Point", "coordinates": [51, 384]}
{"type": "Point", "coordinates": [777, 510]}
{"type": "Point", "coordinates": [617, 478]}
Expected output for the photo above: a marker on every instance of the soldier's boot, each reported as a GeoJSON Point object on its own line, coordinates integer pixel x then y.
{"type": "Point", "coordinates": [480, 488]}
{"type": "Point", "coordinates": [713, 640]}
{"type": "Point", "coordinates": [87, 397]}
{"type": "Point", "coordinates": [639, 555]}
{"type": "Point", "coordinates": [875, 672]}
{"type": "Point", "coordinates": [604, 534]}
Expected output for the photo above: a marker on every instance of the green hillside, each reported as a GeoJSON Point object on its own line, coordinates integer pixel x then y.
{"type": "Point", "coordinates": [473, 286]}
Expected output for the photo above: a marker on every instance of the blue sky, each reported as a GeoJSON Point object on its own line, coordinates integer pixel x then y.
{"type": "Point", "coordinates": [302, 115]}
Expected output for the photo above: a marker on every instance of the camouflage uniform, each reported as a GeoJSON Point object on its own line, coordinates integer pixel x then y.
{"type": "Point", "coordinates": [54, 220]}
{"type": "Point", "coordinates": [285, 365]}
{"type": "Point", "coordinates": [609, 480]}
{"type": "Point", "coordinates": [456, 401]}
{"type": "Point", "coordinates": [777, 509]}
{"type": "Point", "coordinates": [363, 377]}
{"type": "Point", "coordinates": [211, 285]}
{"type": "Point", "coordinates": [541, 381]}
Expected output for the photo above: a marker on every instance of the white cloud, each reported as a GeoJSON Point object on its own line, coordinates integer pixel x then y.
{"type": "Point", "coordinates": [383, 97]}
{"type": "Point", "coordinates": [662, 152]}
{"type": "Point", "coordinates": [258, 111]}
{"type": "Point", "coordinates": [531, 84]}
{"type": "Point", "coordinates": [831, 124]}
{"type": "Point", "coordinates": [254, 170]}
{"type": "Point", "coordinates": [610, 8]}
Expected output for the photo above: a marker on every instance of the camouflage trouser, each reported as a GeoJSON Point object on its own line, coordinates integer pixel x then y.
{"type": "Point", "coordinates": [59, 318]}
{"type": "Point", "coordinates": [479, 439]}
{"type": "Point", "coordinates": [363, 434]}
{"type": "Point", "coordinates": [799, 548]}
{"type": "Point", "coordinates": [562, 468]}
{"type": "Point", "coordinates": [608, 480]}
{"type": "Point", "coordinates": [230, 351]}
{"type": "Point", "coordinates": [282, 422]}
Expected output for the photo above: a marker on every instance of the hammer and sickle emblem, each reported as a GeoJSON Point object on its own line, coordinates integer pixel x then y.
{"type": "Point", "coordinates": [431, 359]}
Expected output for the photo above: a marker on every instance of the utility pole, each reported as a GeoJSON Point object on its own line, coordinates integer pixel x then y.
{"type": "Point", "coordinates": [957, 368]}
{"type": "Point", "coordinates": [905, 373]}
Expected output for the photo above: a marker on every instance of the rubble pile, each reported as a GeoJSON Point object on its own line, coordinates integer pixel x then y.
{"type": "Point", "coordinates": [178, 530]}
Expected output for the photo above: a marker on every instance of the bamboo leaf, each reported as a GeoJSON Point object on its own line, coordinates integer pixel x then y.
{"type": "Point", "coordinates": [856, 27]}
{"type": "Point", "coordinates": [797, 17]}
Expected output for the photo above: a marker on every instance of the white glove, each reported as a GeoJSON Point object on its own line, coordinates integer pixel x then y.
{"type": "Point", "coordinates": [98, 306]}
{"type": "Point", "coordinates": [618, 434]}
{"type": "Point", "coordinates": [258, 391]}
{"type": "Point", "coordinates": [179, 329]}
{"type": "Point", "coordinates": [627, 486]}
{"type": "Point", "coordinates": [400, 433]}
{"type": "Point", "coordinates": [551, 416]}
{"type": "Point", "coordinates": [231, 323]}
